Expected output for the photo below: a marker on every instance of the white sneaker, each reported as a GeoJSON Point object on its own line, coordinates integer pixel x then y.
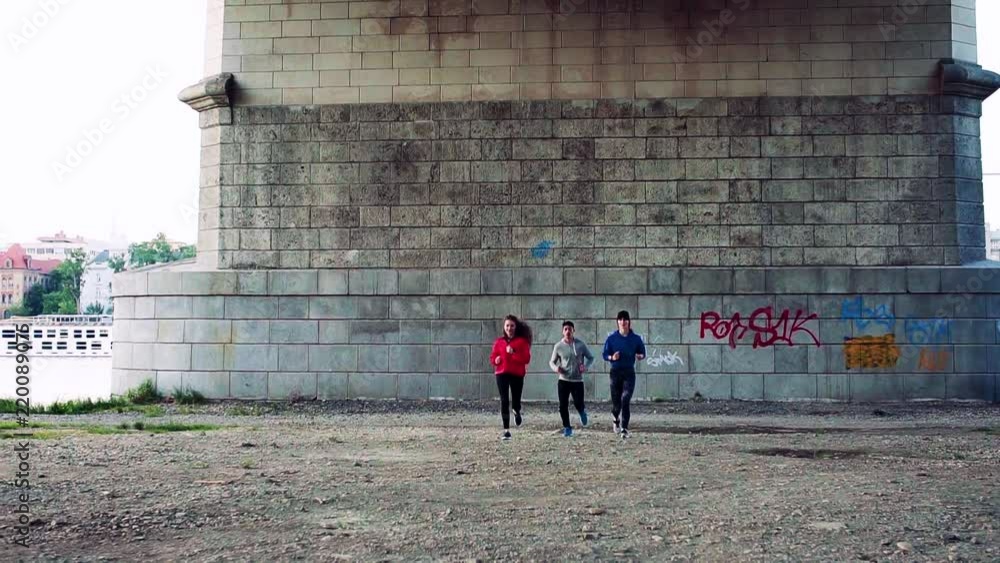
{"type": "Point", "coordinates": [506, 435]}
{"type": "Point", "coordinates": [618, 429]}
{"type": "Point", "coordinates": [625, 434]}
{"type": "Point", "coordinates": [517, 419]}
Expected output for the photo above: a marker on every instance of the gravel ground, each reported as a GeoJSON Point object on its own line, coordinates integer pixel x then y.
{"type": "Point", "coordinates": [719, 481]}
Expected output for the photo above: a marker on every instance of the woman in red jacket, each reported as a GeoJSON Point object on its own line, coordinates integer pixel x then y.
{"type": "Point", "coordinates": [511, 355]}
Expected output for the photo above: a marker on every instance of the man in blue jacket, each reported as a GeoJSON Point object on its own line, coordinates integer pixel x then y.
{"type": "Point", "coordinates": [622, 348]}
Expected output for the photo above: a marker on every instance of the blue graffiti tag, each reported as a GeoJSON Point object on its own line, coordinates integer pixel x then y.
{"type": "Point", "coordinates": [935, 331]}
{"type": "Point", "coordinates": [541, 250]}
{"type": "Point", "coordinates": [854, 309]}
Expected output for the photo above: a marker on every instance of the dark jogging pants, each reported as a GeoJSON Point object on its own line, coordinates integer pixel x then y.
{"type": "Point", "coordinates": [510, 387]}
{"type": "Point", "coordinates": [567, 388]}
{"type": "Point", "coordinates": [622, 386]}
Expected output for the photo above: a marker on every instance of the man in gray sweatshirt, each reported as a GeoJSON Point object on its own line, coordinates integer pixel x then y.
{"type": "Point", "coordinates": [570, 359]}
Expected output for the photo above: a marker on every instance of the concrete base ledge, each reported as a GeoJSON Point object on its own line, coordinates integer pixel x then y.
{"type": "Point", "coordinates": [984, 278]}
{"type": "Point", "coordinates": [836, 334]}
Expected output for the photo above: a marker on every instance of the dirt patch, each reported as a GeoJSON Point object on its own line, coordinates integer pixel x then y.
{"type": "Point", "coordinates": [809, 454]}
{"type": "Point", "coordinates": [391, 482]}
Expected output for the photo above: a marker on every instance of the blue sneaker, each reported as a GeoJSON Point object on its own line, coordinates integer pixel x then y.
{"type": "Point", "coordinates": [583, 417]}
{"type": "Point", "coordinates": [567, 432]}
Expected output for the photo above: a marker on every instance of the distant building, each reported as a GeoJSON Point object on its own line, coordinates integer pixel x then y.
{"type": "Point", "coordinates": [993, 245]}
{"type": "Point", "coordinates": [97, 283]}
{"type": "Point", "coordinates": [18, 273]}
{"type": "Point", "coordinates": [56, 246]}
{"type": "Point", "coordinates": [59, 245]}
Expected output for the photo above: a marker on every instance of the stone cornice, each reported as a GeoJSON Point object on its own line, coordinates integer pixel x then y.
{"type": "Point", "coordinates": [962, 78]}
{"type": "Point", "coordinates": [210, 93]}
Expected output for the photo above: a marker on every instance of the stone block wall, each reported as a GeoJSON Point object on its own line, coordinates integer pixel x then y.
{"type": "Point", "coordinates": [781, 192]}
{"type": "Point", "coordinates": [708, 182]}
{"type": "Point", "coordinates": [859, 334]}
{"type": "Point", "coordinates": [324, 52]}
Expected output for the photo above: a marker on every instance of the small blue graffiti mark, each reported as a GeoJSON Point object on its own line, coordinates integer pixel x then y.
{"type": "Point", "coordinates": [854, 309]}
{"type": "Point", "coordinates": [998, 326]}
{"type": "Point", "coordinates": [935, 331]}
{"type": "Point", "coordinates": [542, 249]}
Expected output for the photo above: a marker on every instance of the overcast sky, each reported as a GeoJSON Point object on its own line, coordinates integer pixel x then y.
{"type": "Point", "coordinates": [98, 144]}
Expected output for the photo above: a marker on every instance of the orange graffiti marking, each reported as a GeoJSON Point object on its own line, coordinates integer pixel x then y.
{"type": "Point", "coordinates": [871, 351]}
{"type": "Point", "coordinates": [932, 360]}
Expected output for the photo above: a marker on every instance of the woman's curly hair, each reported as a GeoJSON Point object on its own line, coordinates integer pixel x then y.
{"type": "Point", "coordinates": [521, 328]}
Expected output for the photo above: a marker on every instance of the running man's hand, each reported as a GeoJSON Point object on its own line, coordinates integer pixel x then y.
{"type": "Point", "coordinates": [640, 357]}
{"type": "Point", "coordinates": [509, 349]}
{"type": "Point", "coordinates": [615, 356]}
{"type": "Point", "coordinates": [583, 368]}
{"type": "Point", "coordinates": [497, 361]}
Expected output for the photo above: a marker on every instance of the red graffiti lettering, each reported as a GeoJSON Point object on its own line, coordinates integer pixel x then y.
{"type": "Point", "coordinates": [767, 330]}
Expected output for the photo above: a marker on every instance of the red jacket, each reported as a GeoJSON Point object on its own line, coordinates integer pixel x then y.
{"type": "Point", "coordinates": [515, 363]}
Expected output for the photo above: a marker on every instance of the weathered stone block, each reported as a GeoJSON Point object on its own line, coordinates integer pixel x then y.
{"type": "Point", "coordinates": [413, 386]}
{"type": "Point", "coordinates": [459, 386]}
{"type": "Point", "coordinates": [248, 385]}
{"type": "Point", "coordinates": [250, 358]}
{"type": "Point", "coordinates": [333, 358]}
{"type": "Point", "coordinates": [293, 282]}
{"type": "Point", "coordinates": [372, 386]}
{"type": "Point", "coordinates": [331, 386]}
{"type": "Point", "coordinates": [413, 359]}
{"type": "Point", "coordinates": [333, 282]}
{"type": "Point", "coordinates": [537, 281]}
{"type": "Point", "coordinates": [374, 332]}
{"type": "Point", "coordinates": [251, 308]}
{"type": "Point", "coordinates": [798, 387]}
{"type": "Point", "coordinates": [205, 331]}
{"type": "Point", "coordinates": [706, 386]}
{"type": "Point", "coordinates": [294, 332]}
{"type": "Point", "coordinates": [285, 386]}
{"type": "Point", "coordinates": [622, 281]}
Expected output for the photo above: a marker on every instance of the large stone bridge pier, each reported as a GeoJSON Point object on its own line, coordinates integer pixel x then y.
{"type": "Point", "coordinates": [785, 194]}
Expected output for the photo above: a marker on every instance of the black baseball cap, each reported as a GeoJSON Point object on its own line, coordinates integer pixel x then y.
{"type": "Point", "coordinates": [623, 316]}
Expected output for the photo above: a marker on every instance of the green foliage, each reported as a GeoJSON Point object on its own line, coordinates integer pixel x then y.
{"type": "Point", "coordinates": [65, 283]}
{"type": "Point", "coordinates": [152, 411]}
{"type": "Point", "coordinates": [157, 251]}
{"type": "Point", "coordinates": [179, 427]}
{"type": "Point", "coordinates": [32, 303]}
{"type": "Point", "coordinates": [104, 430]}
{"type": "Point", "coordinates": [117, 264]}
{"type": "Point", "coordinates": [11, 425]}
{"type": "Point", "coordinates": [144, 394]}
{"type": "Point", "coordinates": [188, 397]}
{"type": "Point", "coordinates": [94, 309]}
{"type": "Point", "coordinates": [141, 399]}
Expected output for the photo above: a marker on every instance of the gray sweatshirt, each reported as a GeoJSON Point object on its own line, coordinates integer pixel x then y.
{"type": "Point", "coordinates": [569, 357]}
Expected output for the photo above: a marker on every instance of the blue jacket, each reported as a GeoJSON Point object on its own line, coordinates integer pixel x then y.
{"type": "Point", "coordinates": [628, 346]}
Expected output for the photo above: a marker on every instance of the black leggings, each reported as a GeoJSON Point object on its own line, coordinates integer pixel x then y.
{"type": "Point", "coordinates": [515, 385]}
{"type": "Point", "coordinates": [566, 388]}
{"type": "Point", "coordinates": [622, 387]}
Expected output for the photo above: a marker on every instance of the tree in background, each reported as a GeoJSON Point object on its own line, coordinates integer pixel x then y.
{"type": "Point", "coordinates": [157, 251]}
{"type": "Point", "coordinates": [65, 281]}
{"type": "Point", "coordinates": [31, 305]}
{"type": "Point", "coordinates": [116, 263]}
{"type": "Point", "coordinates": [94, 309]}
